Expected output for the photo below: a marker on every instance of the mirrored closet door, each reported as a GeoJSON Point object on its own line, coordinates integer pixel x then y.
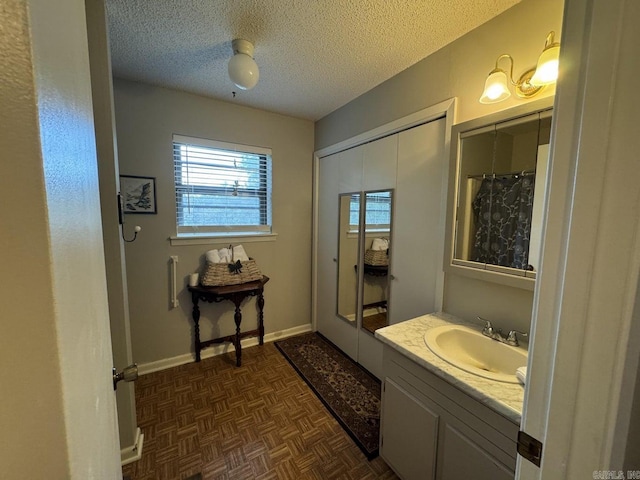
{"type": "Point", "coordinates": [365, 225]}
{"type": "Point", "coordinates": [348, 253]}
{"type": "Point", "coordinates": [376, 261]}
{"type": "Point", "coordinates": [380, 238]}
{"type": "Point", "coordinates": [339, 176]}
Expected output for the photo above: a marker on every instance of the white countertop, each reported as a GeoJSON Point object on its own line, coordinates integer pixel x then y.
{"type": "Point", "coordinates": [408, 339]}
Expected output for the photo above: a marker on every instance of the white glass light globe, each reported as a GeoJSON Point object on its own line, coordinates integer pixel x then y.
{"type": "Point", "coordinates": [243, 71]}
{"type": "Point", "coordinates": [495, 88]}
{"type": "Point", "coordinates": [547, 68]}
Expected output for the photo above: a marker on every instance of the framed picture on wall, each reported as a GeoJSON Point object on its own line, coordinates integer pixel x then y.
{"type": "Point", "coordinates": [138, 194]}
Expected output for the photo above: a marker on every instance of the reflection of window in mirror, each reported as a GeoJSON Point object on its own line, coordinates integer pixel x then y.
{"type": "Point", "coordinates": [354, 212]}
{"type": "Point", "coordinates": [377, 212]}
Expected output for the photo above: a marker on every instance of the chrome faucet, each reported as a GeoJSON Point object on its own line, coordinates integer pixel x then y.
{"type": "Point", "coordinates": [512, 338]}
{"type": "Point", "coordinates": [488, 330]}
{"type": "Point", "coordinates": [491, 332]}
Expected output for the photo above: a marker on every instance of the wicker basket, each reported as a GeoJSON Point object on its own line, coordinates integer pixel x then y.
{"type": "Point", "coordinates": [376, 258]}
{"type": "Point", "coordinates": [220, 274]}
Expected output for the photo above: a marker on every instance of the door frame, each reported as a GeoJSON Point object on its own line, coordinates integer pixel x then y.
{"type": "Point", "coordinates": [585, 348]}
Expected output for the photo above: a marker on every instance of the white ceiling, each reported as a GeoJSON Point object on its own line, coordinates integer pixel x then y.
{"type": "Point", "coordinates": [314, 55]}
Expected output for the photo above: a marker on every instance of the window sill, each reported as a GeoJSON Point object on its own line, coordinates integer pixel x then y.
{"type": "Point", "coordinates": [211, 239]}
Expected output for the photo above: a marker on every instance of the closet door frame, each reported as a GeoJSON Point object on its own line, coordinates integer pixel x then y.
{"type": "Point", "coordinates": [446, 110]}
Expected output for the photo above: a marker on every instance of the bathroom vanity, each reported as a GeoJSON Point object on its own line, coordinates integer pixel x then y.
{"type": "Point", "coordinates": [441, 422]}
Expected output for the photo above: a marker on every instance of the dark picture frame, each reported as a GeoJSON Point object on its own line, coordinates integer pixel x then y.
{"type": "Point", "coordinates": [138, 194]}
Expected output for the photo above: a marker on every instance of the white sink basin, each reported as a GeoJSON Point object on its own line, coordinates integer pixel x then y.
{"type": "Point", "coordinates": [472, 352]}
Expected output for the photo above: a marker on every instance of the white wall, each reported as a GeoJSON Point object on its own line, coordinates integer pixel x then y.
{"type": "Point", "coordinates": [459, 70]}
{"type": "Point", "coordinates": [146, 118]}
{"type": "Point", "coordinates": [57, 408]}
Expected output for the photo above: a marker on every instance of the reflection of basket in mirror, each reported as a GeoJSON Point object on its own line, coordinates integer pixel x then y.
{"type": "Point", "coordinates": [376, 257]}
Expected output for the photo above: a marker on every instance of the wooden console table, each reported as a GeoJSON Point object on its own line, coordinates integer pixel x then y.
{"type": "Point", "coordinates": [235, 294]}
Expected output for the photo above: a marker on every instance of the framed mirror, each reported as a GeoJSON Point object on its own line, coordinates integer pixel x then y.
{"type": "Point", "coordinates": [375, 264]}
{"type": "Point", "coordinates": [498, 201]}
{"type": "Point", "coordinates": [363, 279]}
{"type": "Point", "coordinates": [348, 254]}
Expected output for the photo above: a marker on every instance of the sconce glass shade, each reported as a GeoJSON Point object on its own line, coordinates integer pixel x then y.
{"type": "Point", "coordinates": [547, 68]}
{"type": "Point", "coordinates": [496, 88]}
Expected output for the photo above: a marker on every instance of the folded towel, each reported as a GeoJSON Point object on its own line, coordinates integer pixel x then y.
{"type": "Point", "coordinates": [213, 256]}
{"type": "Point", "coordinates": [227, 255]}
{"type": "Point", "coordinates": [240, 254]}
{"type": "Point", "coordinates": [380, 244]}
{"type": "Point", "coordinates": [521, 375]}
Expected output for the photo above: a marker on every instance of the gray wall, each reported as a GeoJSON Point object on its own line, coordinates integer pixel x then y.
{"type": "Point", "coordinates": [146, 118]}
{"type": "Point", "coordinates": [459, 70]}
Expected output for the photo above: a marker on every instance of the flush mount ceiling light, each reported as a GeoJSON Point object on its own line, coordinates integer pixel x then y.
{"type": "Point", "coordinates": [243, 70]}
{"type": "Point", "coordinates": [496, 88]}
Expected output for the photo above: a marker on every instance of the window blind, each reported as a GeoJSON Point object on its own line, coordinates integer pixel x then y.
{"type": "Point", "coordinates": [221, 187]}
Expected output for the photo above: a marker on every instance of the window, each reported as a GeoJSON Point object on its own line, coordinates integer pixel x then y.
{"type": "Point", "coordinates": [221, 188]}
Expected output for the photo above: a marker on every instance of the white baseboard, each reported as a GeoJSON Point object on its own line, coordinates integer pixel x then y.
{"type": "Point", "coordinates": [133, 453]}
{"type": "Point", "coordinates": [145, 368]}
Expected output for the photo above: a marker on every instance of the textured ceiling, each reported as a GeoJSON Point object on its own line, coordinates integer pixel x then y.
{"type": "Point", "coordinates": [314, 55]}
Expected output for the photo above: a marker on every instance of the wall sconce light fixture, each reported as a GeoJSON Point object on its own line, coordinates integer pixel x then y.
{"type": "Point", "coordinates": [243, 69]}
{"type": "Point", "coordinates": [496, 88]}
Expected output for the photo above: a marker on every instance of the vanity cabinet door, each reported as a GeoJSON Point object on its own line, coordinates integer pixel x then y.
{"type": "Point", "coordinates": [463, 457]}
{"type": "Point", "coordinates": [409, 433]}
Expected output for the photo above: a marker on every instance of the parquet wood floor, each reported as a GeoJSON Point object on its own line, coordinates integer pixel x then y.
{"type": "Point", "coordinates": [257, 421]}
